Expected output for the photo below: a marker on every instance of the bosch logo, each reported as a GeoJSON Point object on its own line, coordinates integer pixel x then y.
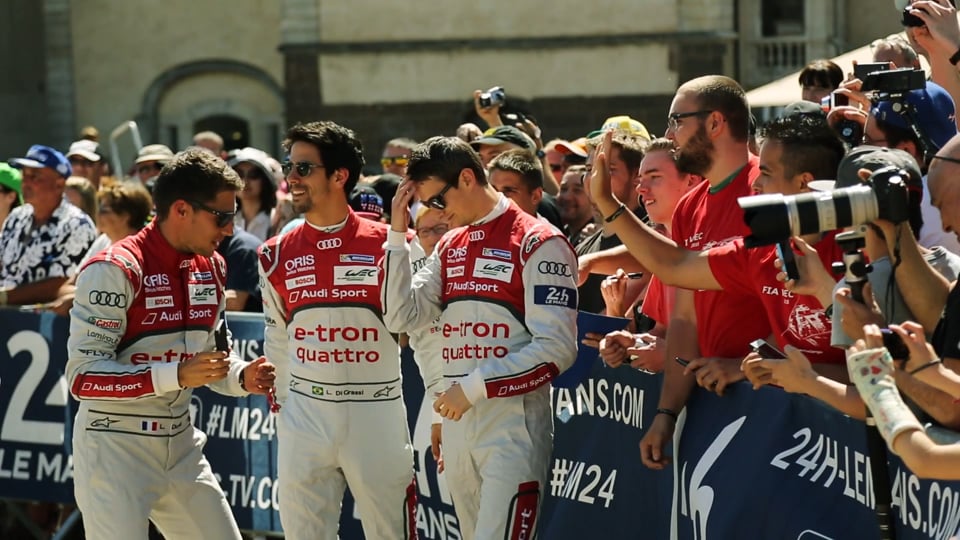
{"type": "Point", "coordinates": [330, 243]}
{"type": "Point", "coordinates": [476, 236]}
{"type": "Point", "coordinates": [109, 299]}
{"type": "Point", "coordinates": [554, 268]}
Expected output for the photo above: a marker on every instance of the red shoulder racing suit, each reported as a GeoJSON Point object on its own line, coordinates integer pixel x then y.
{"type": "Point", "coordinates": [140, 308]}
{"type": "Point", "coordinates": [343, 421]}
{"type": "Point", "coordinates": [506, 297]}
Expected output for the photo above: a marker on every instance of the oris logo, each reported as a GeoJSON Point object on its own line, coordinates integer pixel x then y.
{"type": "Point", "coordinates": [476, 236]}
{"type": "Point", "coordinates": [157, 280]}
{"type": "Point", "coordinates": [551, 268]}
{"type": "Point", "coordinates": [305, 261]}
{"type": "Point", "coordinates": [109, 299]}
{"type": "Point", "coordinates": [330, 243]}
{"type": "Point", "coordinates": [456, 254]}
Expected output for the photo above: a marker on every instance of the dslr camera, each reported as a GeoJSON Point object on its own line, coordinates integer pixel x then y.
{"type": "Point", "coordinates": [492, 97]}
{"type": "Point", "coordinates": [894, 82]}
{"type": "Point", "coordinates": [775, 217]}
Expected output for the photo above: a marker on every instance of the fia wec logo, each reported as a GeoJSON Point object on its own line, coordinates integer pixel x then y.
{"type": "Point", "coordinates": [493, 269]}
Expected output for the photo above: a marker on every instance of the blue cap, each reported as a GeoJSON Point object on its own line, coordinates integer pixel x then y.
{"type": "Point", "coordinates": [935, 113]}
{"type": "Point", "coordinates": [40, 156]}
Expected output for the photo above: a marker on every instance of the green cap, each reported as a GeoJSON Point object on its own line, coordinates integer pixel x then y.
{"type": "Point", "coordinates": [10, 178]}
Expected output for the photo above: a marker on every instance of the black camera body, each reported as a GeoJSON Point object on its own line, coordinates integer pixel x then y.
{"type": "Point", "coordinates": [909, 20]}
{"type": "Point", "coordinates": [492, 97]}
{"type": "Point", "coordinates": [890, 189]}
{"type": "Point", "coordinates": [773, 218]}
{"type": "Point", "coordinates": [895, 81]}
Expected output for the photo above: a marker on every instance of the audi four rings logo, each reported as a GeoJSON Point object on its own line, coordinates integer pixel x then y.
{"type": "Point", "coordinates": [110, 299]}
{"type": "Point", "coordinates": [554, 268]}
{"type": "Point", "coordinates": [476, 236]}
{"type": "Point", "coordinates": [329, 243]}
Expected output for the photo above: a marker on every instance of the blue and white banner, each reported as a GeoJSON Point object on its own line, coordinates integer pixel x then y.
{"type": "Point", "coordinates": [752, 464]}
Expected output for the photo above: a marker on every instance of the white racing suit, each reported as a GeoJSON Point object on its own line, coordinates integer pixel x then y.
{"type": "Point", "coordinates": [342, 421]}
{"type": "Point", "coordinates": [140, 308]}
{"type": "Point", "coordinates": [426, 341]}
{"type": "Point", "coordinates": [506, 297]}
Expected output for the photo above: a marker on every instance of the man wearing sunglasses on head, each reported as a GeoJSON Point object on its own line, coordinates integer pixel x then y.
{"type": "Point", "coordinates": [141, 337]}
{"type": "Point", "coordinates": [342, 421]}
{"type": "Point", "coordinates": [503, 287]}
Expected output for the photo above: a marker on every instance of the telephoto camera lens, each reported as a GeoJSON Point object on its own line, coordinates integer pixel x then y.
{"type": "Point", "coordinates": [774, 217]}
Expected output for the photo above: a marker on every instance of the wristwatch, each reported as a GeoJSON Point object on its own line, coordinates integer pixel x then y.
{"type": "Point", "coordinates": [242, 379]}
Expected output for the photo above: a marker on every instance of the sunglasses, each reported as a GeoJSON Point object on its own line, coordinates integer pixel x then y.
{"type": "Point", "coordinates": [303, 168]}
{"type": "Point", "coordinates": [396, 160]}
{"type": "Point", "coordinates": [436, 202]}
{"type": "Point", "coordinates": [437, 230]}
{"type": "Point", "coordinates": [222, 218]}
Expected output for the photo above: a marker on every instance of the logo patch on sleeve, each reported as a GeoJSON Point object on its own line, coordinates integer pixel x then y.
{"type": "Point", "coordinates": [552, 295]}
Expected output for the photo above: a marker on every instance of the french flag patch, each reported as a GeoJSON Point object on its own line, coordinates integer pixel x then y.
{"type": "Point", "coordinates": [150, 426]}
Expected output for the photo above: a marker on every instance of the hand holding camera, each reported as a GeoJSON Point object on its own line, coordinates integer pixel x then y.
{"type": "Point", "coordinates": [487, 105]}
{"type": "Point", "coordinates": [938, 18]}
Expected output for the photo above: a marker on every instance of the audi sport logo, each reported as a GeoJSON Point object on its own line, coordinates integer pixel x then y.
{"type": "Point", "coordinates": [554, 268]}
{"type": "Point", "coordinates": [109, 299]}
{"type": "Point", "coordinates": [330, 243]}
{"type": "Point", "coordinates": [476, 236]}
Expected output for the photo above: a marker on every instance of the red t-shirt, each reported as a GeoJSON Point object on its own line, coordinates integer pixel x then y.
{"type": "Point", "coordinates": [727, 321]}
{"type": "Point", "coordinates": [797, 320]}
{"type": "Point", "coordinates": [658, 302]}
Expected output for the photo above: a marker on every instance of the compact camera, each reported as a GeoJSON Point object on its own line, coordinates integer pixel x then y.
{"type": "Point", "coordinates": [492, 97]}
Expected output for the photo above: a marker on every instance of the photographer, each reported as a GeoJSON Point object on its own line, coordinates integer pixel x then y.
{"type": "Point", "coordinates": [933, 297]}
{"type": "Point", "coordinates": [934, 113]}
{"type": "Point", "coordinates": [795, 374]}
{"type": "Point", "coordinates": [933, 33]}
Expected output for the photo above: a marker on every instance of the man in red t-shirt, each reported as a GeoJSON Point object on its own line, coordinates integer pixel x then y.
{"type": "Point", "coordinates": [708, 122]}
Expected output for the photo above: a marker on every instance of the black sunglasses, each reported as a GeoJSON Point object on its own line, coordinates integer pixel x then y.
{"type": "Point", "coordinates": [436, 202]}
{"type": "Point", "coordinates": [304, 168]}
{"type": "Point", "coordinates": [222, 218]}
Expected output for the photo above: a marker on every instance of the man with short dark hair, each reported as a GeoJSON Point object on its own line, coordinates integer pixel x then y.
{"type": "Point", "coordinates": [42, 241]}
{"type": "Point", "coordinates": [343, 421]}
{"type": "Point", "coordinates": [576, 210]}
{"type": "Point", "coordinates": [519, 176]}
{"type": "Point", "coordinates": [503, 289]}
{"type": "Point", "coordinates": [141, 337]}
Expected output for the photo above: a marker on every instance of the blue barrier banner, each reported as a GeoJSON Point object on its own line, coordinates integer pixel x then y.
{"type": "Point", "coordinates": [34, 464]}
{"type": "Point", "coordinates": [752, 464]}
{"type": "Point", "coordinates": [598, 487]}
{"type": "Point", "coordinates": [766, 464]}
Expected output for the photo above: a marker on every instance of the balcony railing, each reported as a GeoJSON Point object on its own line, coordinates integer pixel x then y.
{"type": "Point", "coordinates": [766, 59]}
